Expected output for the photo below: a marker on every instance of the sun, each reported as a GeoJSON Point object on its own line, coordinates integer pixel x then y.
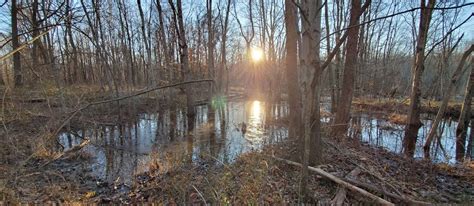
{"type": "Point", "coordinates": [256, 54]}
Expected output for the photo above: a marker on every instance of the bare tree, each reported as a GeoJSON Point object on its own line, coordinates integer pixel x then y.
{"type": "Point", "coordinates": [183, 54]}
{"type": "Point", "coordinates": [294, 96]}
{"type": "Point", "coordinates": [413, 121]}
{"type": "Point", "coordinates": [310, 86]}
{"type": "Point", "coordinates": [210, 55]}
{"type": "Point", "coordinates": [350, 65]}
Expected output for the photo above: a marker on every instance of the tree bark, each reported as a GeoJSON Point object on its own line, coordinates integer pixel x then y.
{"type": "Point", "coordinates": [413, 121]}
{"type": "Point", "coordinates": [463, 123]}
{"type": "Point", "coordinates": [311, 70]}
{"type": "Point", "coordinates": [350, 65]}
{"type": "Point", "coordinates": [294, 96]}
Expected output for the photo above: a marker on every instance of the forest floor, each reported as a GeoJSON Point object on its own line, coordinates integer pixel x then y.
{"type": "Point", "coordinates": [28, 174]}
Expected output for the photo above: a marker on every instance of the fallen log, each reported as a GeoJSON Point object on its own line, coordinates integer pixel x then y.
{"type": "Point", "coordinates": [341, 182]}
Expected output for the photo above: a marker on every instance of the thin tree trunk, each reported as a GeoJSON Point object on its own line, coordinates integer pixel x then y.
{"type": "Point", "coordinates": [210, 57]}
{"type": "Point", "coordinates": [16, 44]}
{"type": "Point", "coordinates": [220, 78]}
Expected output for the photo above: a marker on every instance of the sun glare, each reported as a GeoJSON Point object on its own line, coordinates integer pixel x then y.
{"type": "Point", "coordinates": [256, 54]}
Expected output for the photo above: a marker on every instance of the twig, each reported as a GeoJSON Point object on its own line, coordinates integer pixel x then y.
{"type": "Point", "coordinates": [3, 111]}
{"type": "Point", "coordinates": [447, 35]}
{"type": "Point", "coordinates": [200, 194]}
{"type": "Point", "coordinates": [24, 45]}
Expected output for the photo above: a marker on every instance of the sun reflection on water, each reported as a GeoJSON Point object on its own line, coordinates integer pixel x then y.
{"type": "Point", "coordinates": [255, 122]}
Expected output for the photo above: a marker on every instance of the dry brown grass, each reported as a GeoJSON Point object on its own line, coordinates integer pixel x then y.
{"type": "Point", "coordinates": [397, 118]}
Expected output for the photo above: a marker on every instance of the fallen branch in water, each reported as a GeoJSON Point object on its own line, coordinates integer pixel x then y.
{"type": "Point", "coordinates": [69, 152]}
{"type": "Point", "coordinates": [341, 182]}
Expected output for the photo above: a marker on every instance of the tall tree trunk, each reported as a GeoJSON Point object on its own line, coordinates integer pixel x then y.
{"type": "Point", "coordinates": [413, 121]}
{"type": "Point", "coordinates": [294, 96]}
{"type": "Point", "coordinates": [183, 54]}
{"type": "Point", "coordinates": [210, 57]}
{"type": "Point", "coordinates": [310, 65]}
{"type": "Point", "coordinates": [328, 50]}
{"type": "Point", "coordinates": [350, 65]}
{"type": "Point", "coordinates": [163, 39]}
{"type": "Point", "coordinates": [71, 41]}
{"type": "Point", "coordinates": [147, 46]}
{"type": "Point", "coordinates": [464, 117]}
{"type": "Point", "coordinates": [16, 44]}
{"type": "Point", "coordinates": [220, 78]}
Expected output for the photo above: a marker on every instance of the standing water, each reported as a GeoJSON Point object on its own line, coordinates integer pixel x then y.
{"type": "Point", "coordinates": [380, 132]}
{"type": "Point", "coordinates": [163, 139]}
{"type": "Point", "coordinates": [167, 137]}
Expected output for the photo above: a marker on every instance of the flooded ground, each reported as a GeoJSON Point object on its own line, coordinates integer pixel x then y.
{"type": "Point", "coordinates": [379, 132]}
{"type": "Point", "coordinates": [163, 139]}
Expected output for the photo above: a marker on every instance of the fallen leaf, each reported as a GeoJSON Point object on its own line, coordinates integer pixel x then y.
{"type": "Point", "coordinates": [91, 194]}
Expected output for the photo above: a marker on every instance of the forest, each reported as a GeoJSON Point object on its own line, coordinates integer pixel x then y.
{"type": "Point", "coordinates": [257, 102]}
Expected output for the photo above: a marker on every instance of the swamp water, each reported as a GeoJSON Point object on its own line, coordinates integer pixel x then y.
{"type": "Point", "coordinates": [166, 138]}
{"type": "Point", "coordinates": [380, 132]}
